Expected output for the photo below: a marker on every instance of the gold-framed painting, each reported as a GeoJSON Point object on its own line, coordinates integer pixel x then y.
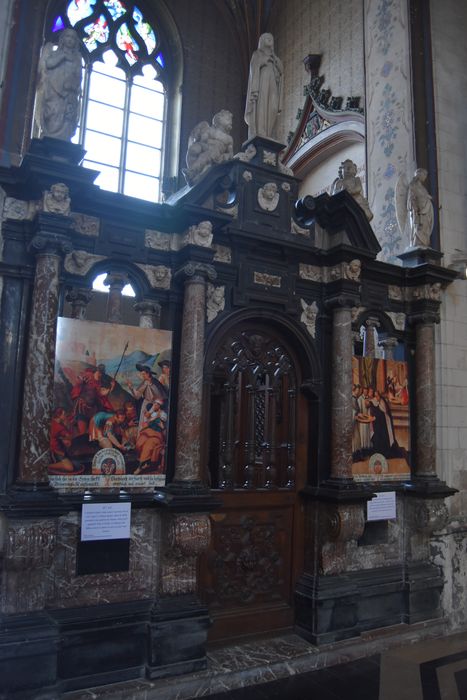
{"type": "Point", "coordinates": [111, 406]}
{"type": "Point", "coordinates": [381, 420]}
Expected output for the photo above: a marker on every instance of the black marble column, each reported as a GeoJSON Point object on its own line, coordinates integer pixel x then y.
{"type": "Point", "coordinates": [341, 397]}
{"type": "Point", "coordinates": [425, 399]}
{"type": "Point", "coordinates": [38, 385]}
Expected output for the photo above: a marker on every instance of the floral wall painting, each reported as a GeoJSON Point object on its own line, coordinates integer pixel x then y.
{"type": "Point", "coordinates": [381, 429]}
{"type": "Point", "coordinates": [111, 405]}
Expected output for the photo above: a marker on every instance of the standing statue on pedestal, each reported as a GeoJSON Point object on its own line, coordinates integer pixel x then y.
{"type": "Point", "coordinates": [264, 97]}
{"type": "Point", "coordinates": [58, 91]}
{"type": "Point", "coordinates": [349, 181]}
{"type": "Point", "coordinates": [414, 209]}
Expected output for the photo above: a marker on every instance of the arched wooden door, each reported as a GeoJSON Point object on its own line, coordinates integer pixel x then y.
{"type": "Point", "coordinates": [256, 453]}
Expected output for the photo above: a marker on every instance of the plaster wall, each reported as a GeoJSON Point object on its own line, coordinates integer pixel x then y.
{"type": "Point", "coordinates": [449, 27]}
{"type": "Point", "coordinates": [333, 28]}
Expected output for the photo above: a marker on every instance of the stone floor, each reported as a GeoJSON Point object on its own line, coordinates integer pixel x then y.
{"type": "Point", "coordinates": [385, 665]}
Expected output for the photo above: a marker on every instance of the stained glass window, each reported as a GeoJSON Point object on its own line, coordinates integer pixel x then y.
{"type": "Point", "coordinates": [124, 94]}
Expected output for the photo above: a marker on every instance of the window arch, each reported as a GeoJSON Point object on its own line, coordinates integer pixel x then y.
{"type": "Point", "coordinates": [124, 103]}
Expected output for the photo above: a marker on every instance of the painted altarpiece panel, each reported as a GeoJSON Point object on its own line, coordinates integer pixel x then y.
{"type": "Point", "coordinates": [111, 405]}
{"type": "Point", "coordinates": [381, 414]}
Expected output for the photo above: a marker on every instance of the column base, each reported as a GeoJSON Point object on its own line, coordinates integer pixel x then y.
{"type": "Point", "coordinates": [187, 497]}
{"type": "Point", "coordinates": [344, 490]}
{"type": "Point", "coordinates": [177, 637]}
{"type": "Point", "coordinates": [32, 500]}
{"type": "Point", "coordinates": [428, 487]}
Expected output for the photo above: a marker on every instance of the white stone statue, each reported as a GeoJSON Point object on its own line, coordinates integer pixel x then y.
{"type": "Point", "coordinates": [215, 301]}
{"type": "Point", "coordinates": [349, 181]}
{"type": "Point", "coordinates": [209, 145]}
{"type": "Point", "coordinates": [59, 87]}
{"type": "Point", "coordinates": [265, 88]}
{"type": "Point", "coordinates": [268, 196]}
{"type": "Point", "coordinates": [414, 209]}
{"type": "Point", "coordinates": [57, 199]}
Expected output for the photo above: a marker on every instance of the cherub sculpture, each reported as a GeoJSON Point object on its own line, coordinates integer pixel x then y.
{"type": "Point", "coordinates": [208, 145]}
{"type": "Point", "coordinates": [414, 209]}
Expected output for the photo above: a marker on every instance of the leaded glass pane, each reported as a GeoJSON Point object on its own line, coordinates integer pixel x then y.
{"type": "Point", "coordinates": [146, 102]}
{"type": "Point", "coordinates": [126, 43]}
{"type": "Point", "coordinates": [143, 159]}
{"type": "Point", "coordinates": [79, 10]}
{"type": "Point", "coordinates": [101, 117]}
{"type": "Point", "coordinates": [108, 178]}
{"type": "Point", "coordinates": [145, 30]}
{"type": "Point", "coordinates": [144, 130]}
{"type": "Point", "coordinates": [109, 70]}
{"type": "Point", "coordinates": [58, 25]}
{"type": "Point", "coordinates": [115, 7]}
{"type": "Point", "coordinates": [97, 33]}
{"type": "Point", "coordinates": [108, 90]}
{"type": "Point", "coordinates": [148, 82]}
{"type": "Point", "coordinates": [141, 186]}
{"type": "Point", "coordinates": [102, 148]}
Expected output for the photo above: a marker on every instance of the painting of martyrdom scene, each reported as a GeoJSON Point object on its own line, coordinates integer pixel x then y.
{"type": "Point", "coordinates": [381, 428]}
{"type": "Point", "coordinates": [111, 405]}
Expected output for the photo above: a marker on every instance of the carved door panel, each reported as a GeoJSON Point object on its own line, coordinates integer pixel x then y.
{"type": "Point", "coordinates": [248, 573]}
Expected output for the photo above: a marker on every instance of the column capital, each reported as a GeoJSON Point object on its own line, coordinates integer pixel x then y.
{"type": "Point", "coordinates": [79, 295]}
{"type": "Point", "coordinates": [341, 301]}
{"type": "Point", "coordinates": [116, 280]}
{"type": "Point", "coordinates": [148, 307]}
{"type": "Point", "coordinates": [426, 316]}
{"type": "Point", "coordinates": [192, 270]}
{"type": "Point", "coordinates": [46, 243]}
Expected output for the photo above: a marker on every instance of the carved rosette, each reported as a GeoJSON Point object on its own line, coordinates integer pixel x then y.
{"type": "Point", "coordinates": [187, 537]}
{"type": "Point", "coordinates": [430, 515]}
{"type": "Point", "coordinates": [29, 550]}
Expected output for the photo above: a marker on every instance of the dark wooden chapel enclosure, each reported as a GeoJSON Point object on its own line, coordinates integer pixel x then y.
{"type": "Point", "coordinates": [261, 524]}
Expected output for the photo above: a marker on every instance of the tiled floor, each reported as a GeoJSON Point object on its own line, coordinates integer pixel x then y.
{"type": "Point", "coordinates": [389, 664]}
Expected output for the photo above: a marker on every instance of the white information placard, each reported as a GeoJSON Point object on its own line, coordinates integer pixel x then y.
{"type": "Point", "coordinates": [382, 507]}
{"type": "Point", "coordinates": [105, 521]}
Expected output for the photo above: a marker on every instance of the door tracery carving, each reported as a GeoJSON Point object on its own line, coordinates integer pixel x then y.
{"type": "Point", "coordinates": [253, 404]}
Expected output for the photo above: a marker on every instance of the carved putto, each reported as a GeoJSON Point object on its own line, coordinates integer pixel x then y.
{"type": "Point", "coordinates": [265, 93]}
{"type": "Point", "coordinates": [353, 270]}
{"type": "Point", "coordinates": [215, 301]}
{"type": "Point", "coordinates": [209, 145]}
{"type": "Point", "coordinates": [159, 276]}
{"type": "Point", "coordinates": [348, 180]}
{"type": "Point", "coordinates": [308, 317]}
{"type": "Point", "coordinates": [57, 200]}
{"type": "Point", "coordinates": [59, 86]}
{"type": "Point", "coordinates": [414, 209]}
{"type": "Point", "coordinates": [268, 196]}
{"type": "Point", "coordinates": [200, 234]}
{"type": "Point", "coordinates": [79, 262]}
{"type": "Point", "coordinates": [157, 240]}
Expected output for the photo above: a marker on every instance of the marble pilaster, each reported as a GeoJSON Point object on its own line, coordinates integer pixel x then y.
{"type": "Point", "coordinates": [189, 413]}
{"type": "Point", "coordinates": [149, 314]}
{"type": "Point", "coordinates": [79, 300]}
{"type": "Point", "coordinates": [115, 281]}
{"type": "Point", "coordinates": [369, 344]}
{"type": "Point", "coordinates": [425, 400]}
{"type": "Point", "coordinates": [341, 401]}
{"type": "Point", "coordinates": [38, 384]}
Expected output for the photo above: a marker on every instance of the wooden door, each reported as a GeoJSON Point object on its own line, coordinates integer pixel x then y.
{"type": "Point", "coordinates": [248, 574]}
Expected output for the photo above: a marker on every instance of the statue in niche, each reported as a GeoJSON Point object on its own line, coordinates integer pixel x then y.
{"type": "Point", "coordinates": [414, 209]}
{"type": "Point", "coordinates": [268, 196]}
{"type": "Point", "coordinates": [57, 200]}
{"type": "Point", "coordinates": [209, 145]}
{"type": "Point", "coordinates": [59, 87]}
{"type": "Point", "coordinates": [348, 180]}
{"type": "Point", "coordinates": [264, 96]}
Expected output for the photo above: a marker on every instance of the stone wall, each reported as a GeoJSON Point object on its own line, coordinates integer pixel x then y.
{"type": "Point", "coordinates": [330, 27]}
{"type": "Point", "coordinates": [449, 27]}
